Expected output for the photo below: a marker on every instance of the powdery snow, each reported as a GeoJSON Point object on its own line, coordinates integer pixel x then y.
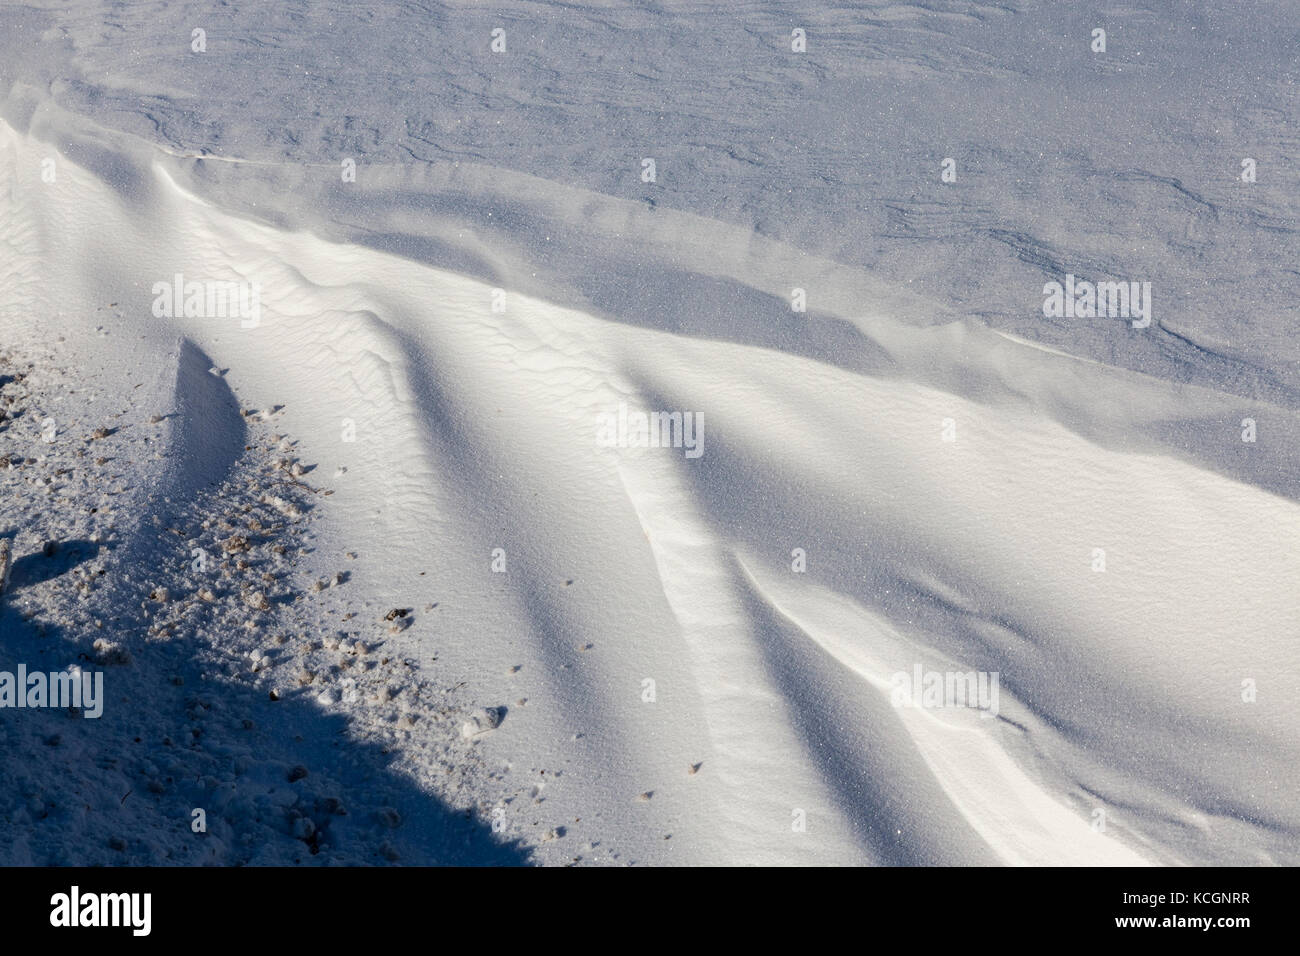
{"type": "Point", "coordinates": [367, 587]}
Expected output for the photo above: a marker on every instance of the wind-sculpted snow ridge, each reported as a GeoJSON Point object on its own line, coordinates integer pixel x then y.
{"type": "Point", "coordinates": [919, 574]}
{"type": "Point", "coordinates": [703, 652]}
{"type": "Point", "coordinates": [249, 709]}
{"type": "Point", "coordinates": [1066, 159]}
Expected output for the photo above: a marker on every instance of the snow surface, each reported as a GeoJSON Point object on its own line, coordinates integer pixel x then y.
{"type": "Point", "coordinates": [359, 685]}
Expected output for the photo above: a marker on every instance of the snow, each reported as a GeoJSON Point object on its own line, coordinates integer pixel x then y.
{"type": "Point", "coordinates": [366, 585]}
